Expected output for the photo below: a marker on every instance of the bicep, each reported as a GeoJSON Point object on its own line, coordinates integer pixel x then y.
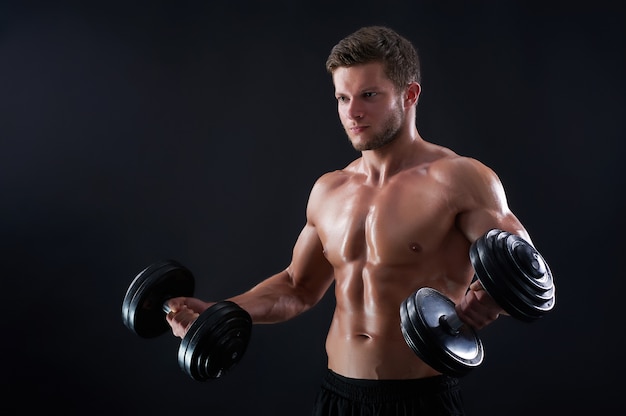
{"type": "Point", "coordinates": [309, 269]}
{"type": "Point", "coordinates": [293, 290]}
{"type": "Point", "coordinates": [477, 222]}
{"type": "Point", "coordinates": [487, 207]}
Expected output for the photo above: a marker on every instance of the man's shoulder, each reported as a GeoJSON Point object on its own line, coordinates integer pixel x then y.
{"type": "Point", "coordinates": [338, 175]}
{"type": "Point", "coordinates": [332, 179]}
{"type": "Point", "coordinates": [461, 170]}
{"type": "Point", "coordinates": [446, 158]}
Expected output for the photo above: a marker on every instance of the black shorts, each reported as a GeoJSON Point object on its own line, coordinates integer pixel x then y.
{"type": "Point", "coordinates": [432, 396]}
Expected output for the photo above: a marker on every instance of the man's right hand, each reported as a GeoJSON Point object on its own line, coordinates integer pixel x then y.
{"type": "Point", "coordinates": [183, 311]}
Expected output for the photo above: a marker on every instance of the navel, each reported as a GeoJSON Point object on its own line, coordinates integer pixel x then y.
{"type": "Point", "coordinates": [415, 247]}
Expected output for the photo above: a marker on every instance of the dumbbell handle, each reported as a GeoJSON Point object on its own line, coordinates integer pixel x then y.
{"type": "Point", "coordinates": [165, 307]}
{"type": "Point", "coordinates": [451, 323]}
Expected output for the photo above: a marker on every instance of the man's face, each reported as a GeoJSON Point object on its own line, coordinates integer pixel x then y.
{"type": "Point", "coordinates": [370, 109]}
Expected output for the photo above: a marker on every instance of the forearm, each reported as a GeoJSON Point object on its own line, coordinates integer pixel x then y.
{"type": "Point", "coordinates": [276, 299]}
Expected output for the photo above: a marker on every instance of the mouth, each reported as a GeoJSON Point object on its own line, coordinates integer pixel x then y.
{"type": "Point", "coordinates": [357, 129]}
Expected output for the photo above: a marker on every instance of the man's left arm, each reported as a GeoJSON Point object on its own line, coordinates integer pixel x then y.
{"type": "Point", "coordinates": [487, 209]}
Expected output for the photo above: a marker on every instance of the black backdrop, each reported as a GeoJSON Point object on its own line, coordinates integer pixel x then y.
{"type": "Point", "coordinates": [136, 131]}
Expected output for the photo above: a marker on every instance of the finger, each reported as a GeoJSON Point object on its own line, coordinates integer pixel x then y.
{"type": "Point", "coordinates": [175, 304]}
{"type": "Point", "coordinates": [476, 309]}
{"type": "Point", "coordinates": [169, 317]}
{"type": "Point", "coordinates": [476, 286]}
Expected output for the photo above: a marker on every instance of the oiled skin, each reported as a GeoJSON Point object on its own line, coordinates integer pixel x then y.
{"type": "Point", "coordinates": [398, 218]}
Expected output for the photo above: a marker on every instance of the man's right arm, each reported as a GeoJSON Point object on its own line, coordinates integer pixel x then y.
{"type": "Point", "coordinates": [294, 290]}
{"type": "Point", "coordinates": [282, 296]}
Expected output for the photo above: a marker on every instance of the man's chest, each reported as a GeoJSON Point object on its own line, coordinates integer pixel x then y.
{"type": "Point", "coordinates": [383, 225]}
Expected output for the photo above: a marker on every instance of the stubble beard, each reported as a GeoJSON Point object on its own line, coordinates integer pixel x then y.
{"type": "Point", "coordinates": [390, 131]}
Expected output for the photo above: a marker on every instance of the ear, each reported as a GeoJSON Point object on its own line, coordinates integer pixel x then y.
{"type": "Point", "coordinates": [412, 94]}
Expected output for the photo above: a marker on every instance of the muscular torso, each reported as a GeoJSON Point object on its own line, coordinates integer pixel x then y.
{"type": "Point", "coordinates": [384, 242]}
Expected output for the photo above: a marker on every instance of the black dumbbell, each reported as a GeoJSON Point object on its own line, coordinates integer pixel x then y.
{"type": "Point", "coordinates": [510, 270]}
{"type": "Point", "coordinates": [215, 342]}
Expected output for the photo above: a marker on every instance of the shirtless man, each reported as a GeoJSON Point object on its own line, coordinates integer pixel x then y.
{"type": "Point", "coordinates": [400, 217]}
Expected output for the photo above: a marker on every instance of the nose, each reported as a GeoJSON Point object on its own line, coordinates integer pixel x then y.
{"type": "Point", "coordinates": [354, 110]}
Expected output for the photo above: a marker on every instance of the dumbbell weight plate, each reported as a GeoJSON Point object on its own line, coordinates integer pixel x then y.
{"type": "Point", "coordinates": [215, 342]}
{"type": "Point", "coordinates": [514, 274]}
{"type": "Point", "coordinates": [142, 308]}
{"type": "Point", "coordinates": [432, 340]}
{"type": "Point", "coordinates": [537, 285]}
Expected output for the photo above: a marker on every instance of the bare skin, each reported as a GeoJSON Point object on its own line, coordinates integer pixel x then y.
{"type": "Point", "coordinates": [400, 217]}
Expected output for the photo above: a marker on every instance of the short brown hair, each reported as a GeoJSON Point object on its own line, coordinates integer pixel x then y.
{"type": "Point", "coordinates": [378, 44]}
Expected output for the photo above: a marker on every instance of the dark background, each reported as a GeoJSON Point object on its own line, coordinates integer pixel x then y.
{"type": "Point", "coordinates": [136, 131]}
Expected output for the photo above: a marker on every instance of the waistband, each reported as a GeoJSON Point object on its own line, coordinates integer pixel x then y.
{"type": "Point", "coordinates": [382, 390]}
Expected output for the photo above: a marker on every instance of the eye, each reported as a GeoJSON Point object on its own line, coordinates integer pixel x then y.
{"type": "Point", "coordinates": [369, 94]}
{"type": "Point", "coordinates": [342, 99]}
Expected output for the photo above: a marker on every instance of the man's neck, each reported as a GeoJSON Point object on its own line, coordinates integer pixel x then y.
{"type": "Point", "coordinates": [381, 164]}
